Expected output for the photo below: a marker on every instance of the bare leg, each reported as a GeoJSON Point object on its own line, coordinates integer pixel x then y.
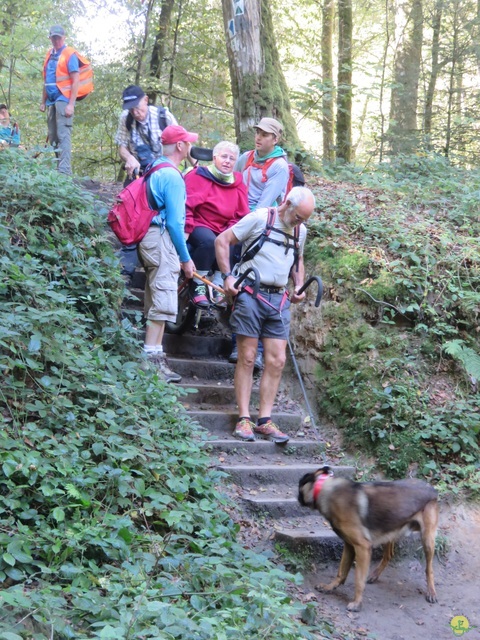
{"type": "Point", "coordinates": [243, 381]}
{"type": "Point", "coordinates": [154, 333]}
{"type": "Point", "coordinates": [274, 358]}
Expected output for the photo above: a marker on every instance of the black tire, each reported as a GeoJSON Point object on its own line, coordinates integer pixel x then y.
{"type": "Point", "coordinates": [185, 315]}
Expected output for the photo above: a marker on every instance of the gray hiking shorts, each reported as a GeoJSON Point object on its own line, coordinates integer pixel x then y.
{"type": "Point", "coordinates": [255, 319]}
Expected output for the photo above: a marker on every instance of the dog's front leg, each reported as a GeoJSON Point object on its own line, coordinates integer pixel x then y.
{"type": "Point", "coordinates": [346, 562]}
{"type": "Point", "coordinates": [430, 521]}
{"type": "Point", "coordinates": [388, 551]}
{"type": "Point", "coordinates": [363, 555]}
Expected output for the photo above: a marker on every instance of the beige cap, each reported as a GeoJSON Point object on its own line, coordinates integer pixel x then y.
{"type": "Point", "coordinates": [270, 125]}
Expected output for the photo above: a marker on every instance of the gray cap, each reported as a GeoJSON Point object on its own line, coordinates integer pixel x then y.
{"type": "Point", "coordinates": [56, 30]}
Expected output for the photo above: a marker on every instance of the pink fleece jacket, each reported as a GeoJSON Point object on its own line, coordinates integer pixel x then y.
{"type": "Point", "coordinates": [212, 204]}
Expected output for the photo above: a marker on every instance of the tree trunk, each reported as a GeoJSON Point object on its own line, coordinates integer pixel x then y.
{"type": "Point", "coordinates": [403, 133]}
{"type": "Point", "coordinates": [159, 46]}
{"type": "Point", "coordinates": [344, 84]}
{"type": "Point", "coordinates": [174, 53]}
{"type": "Point", "coordinates": [143, 48]}
{"type": "Point", "coordinates": [328, 12]}
{"type": "Point", "coordinates": [258, 84]}
{"type": "Point", "coordinates": [437, 23]}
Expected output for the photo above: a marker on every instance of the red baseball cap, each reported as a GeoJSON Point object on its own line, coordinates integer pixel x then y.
{"type": "Point", "coordinates": [175, 133]}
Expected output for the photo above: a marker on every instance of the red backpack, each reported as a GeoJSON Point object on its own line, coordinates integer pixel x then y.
{"type": "Point", "coordinates": [295, 175]}
{"type": "Point", "coordinates": [131, 216]}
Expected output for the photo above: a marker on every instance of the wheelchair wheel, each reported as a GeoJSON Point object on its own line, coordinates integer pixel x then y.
{"type": "Point", "coordinates": [186, 311]}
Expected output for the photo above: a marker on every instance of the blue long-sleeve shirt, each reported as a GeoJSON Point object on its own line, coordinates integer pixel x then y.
{"type": "Point", "coordinates": [168, 189]}
{"type": "Point", "coordinates": [11, 135]}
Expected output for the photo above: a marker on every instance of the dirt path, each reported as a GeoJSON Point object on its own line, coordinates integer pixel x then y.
{"type": "Point", "coordinates": [395, 607]}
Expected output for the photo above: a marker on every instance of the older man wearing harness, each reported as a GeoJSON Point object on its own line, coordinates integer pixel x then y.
{"type": "Point", "coordinates": [268, 316]}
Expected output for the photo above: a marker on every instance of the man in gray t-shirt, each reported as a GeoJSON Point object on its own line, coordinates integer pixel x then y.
{"type": "Point", "coordinates": [252, 318]}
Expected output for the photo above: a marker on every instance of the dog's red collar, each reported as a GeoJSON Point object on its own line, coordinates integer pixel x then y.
{"type": "Point", "coordinates": [318, 486]}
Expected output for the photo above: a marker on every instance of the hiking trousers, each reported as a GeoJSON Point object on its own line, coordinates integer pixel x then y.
{"type": "Point", "coordinates": [60, 135]}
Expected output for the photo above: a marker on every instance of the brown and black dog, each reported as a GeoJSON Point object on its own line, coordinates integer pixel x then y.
{"type": "Point", "coordinates": [369, 514]}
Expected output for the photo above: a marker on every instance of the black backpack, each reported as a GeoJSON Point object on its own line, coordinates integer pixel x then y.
{"type": "Point", "coordinates": [162, 119]}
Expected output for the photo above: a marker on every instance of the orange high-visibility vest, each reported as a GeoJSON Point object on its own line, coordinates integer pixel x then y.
{"type": "Point", "coordinates": [62, 77]}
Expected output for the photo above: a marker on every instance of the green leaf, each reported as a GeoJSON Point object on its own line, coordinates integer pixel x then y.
{"type": "Point", "coordinates": [9, 559]}
{"type": "Point", "coordinates": [59, 514]}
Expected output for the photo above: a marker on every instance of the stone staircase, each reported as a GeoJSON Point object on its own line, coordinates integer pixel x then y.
{"type": "Point", "coordinates": [263, 475]}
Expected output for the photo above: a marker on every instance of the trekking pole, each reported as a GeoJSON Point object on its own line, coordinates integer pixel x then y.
{"type": "Point", "coordinates": [294, 360]}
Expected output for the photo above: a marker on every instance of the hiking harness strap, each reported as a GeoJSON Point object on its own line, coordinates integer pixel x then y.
{"type": "Point", "coordinates": [290, 242]}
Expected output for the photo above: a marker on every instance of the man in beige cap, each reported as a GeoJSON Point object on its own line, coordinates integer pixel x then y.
{"type": "Point", "coordinates": [265, 168]}
{"type": "Point", "coordinates": [266, 173]}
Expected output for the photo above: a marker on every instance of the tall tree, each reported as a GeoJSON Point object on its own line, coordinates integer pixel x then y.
{"type": "Point", "coordinates": [436, 67]}
{"type": "Point", "coordinates": [328, 12]}
{"type": "Point", "coordinates": [344, 84]}
{"type": "Point", "coordinates": [159, 47]}
{"type": "Point", "coordinates": [403, 133]}
{"type": "Point", "coordinates": [258, 84]}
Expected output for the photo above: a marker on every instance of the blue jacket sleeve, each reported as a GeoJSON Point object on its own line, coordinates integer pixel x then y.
{"type": "Point", "coordinates": [168, 189]}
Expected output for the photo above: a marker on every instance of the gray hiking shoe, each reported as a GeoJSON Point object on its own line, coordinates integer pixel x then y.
{"type": "Point", "coordinates": [160, 361]}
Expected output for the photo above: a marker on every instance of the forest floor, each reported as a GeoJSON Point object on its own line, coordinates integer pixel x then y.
{"type": "Point", "coordinates": [394, 608]}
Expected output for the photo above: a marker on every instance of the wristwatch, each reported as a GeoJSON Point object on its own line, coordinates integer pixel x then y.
{"type": "Point", "coordinates": [226, 275]}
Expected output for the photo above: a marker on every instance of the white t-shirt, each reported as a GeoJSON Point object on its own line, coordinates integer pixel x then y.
{"type": "Point", "coordinates": [272, 263]}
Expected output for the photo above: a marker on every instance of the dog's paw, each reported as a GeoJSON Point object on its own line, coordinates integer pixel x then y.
{"type": "Point", "coordinates": [373, 578]}
{"type": "Point", "coordinates": [325, 588]}
{"type": "Point", "coordinates": [354, 606]}
{"type": "Point", "coordinates": [431, 597]}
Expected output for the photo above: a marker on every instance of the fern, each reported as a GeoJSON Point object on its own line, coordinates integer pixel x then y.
{"type": "Point", "coordinates": [467, 356]}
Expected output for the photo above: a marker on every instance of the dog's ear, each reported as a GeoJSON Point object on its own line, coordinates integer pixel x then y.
{"type": "Point", "coordinates": [305, 489]}
{"type": "Point", "coordinates": [324, 471]}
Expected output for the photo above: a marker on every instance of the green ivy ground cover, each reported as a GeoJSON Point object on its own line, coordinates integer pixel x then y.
{"type": "Point", "coordinates": [111, 525]}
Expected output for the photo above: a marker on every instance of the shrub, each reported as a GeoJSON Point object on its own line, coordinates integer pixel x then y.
{"type": "Point", "coordinates": [112, 525]}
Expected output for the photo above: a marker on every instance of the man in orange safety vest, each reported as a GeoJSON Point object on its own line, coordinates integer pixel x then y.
{"type": "Point", "coordinates": [67, 77]}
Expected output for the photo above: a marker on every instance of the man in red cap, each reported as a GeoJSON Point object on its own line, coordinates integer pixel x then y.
{"type": "Point", "coordinates": [164, 249]}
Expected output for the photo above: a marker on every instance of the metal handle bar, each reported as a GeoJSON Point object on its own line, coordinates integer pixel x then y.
{"type": "Point", "coordinates": [256, 280]}
{"type": "Point", "coordinates": [319, 291]}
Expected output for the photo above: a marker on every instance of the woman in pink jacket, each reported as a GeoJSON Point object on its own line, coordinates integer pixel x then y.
{"type": "Point", "coordinates": [216, 199]}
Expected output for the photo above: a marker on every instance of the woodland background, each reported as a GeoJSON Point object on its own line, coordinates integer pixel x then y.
{"type": "Point", "coordinates": [359, 81]}
{"type": "Point", "coordinates": [111, 523]}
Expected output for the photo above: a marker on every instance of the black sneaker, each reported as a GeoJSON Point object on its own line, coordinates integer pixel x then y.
{"type": "Point", "coordinates": [198, 295]}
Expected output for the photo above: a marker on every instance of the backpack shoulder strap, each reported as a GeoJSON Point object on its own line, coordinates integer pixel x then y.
{"type": "Point", "coordinates": [146, 176]}
{"type": "Point", "coordinates": [162, 118]}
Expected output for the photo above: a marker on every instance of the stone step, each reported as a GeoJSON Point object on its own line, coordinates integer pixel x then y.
{"type": "Point", "coordinates": [296, 447]}
{"type": "Point", "coordinates": [275, 507]}
{"type": "Point", "coordinates": [213, 394]}
{"type": "Point", "coordinates": [251, 476]}
{"type": "Point", "coordinates": [223, 422]}
{"type": "Point", "coordinates": [188, 346]}
{"type": "Point", "coordinates": [211, 369]}
{"type": "Point", "coordinates": [319, 543]}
